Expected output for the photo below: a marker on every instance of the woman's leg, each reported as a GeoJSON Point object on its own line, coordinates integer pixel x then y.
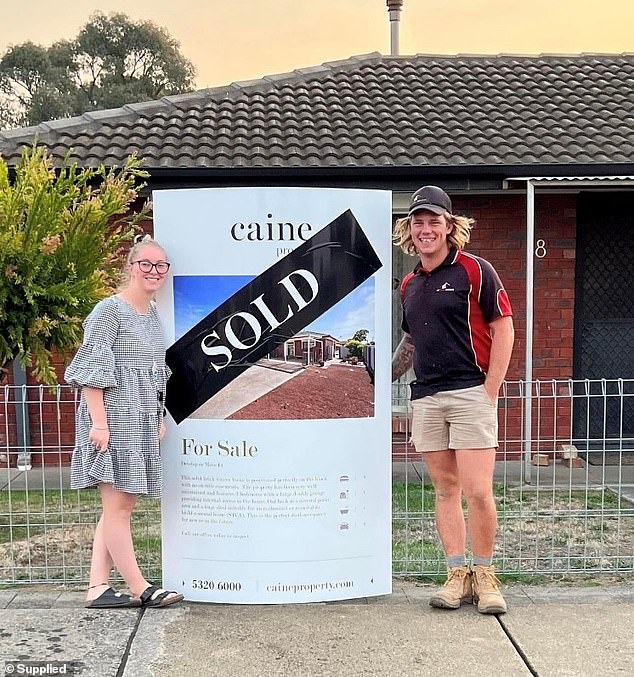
{"type": "Point", "coordinates": [100, 564]}
{"type": "Point", "coordinates": [117, 511]}
{"type": "Point", "coordinates": [117, 537]}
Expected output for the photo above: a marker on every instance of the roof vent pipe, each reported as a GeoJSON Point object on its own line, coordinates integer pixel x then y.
{"type": "Point", "coordinates": [394, 10]}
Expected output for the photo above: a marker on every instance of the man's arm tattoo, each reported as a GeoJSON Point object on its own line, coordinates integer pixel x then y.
{"type": "Point", "coordinates": [403, 357]}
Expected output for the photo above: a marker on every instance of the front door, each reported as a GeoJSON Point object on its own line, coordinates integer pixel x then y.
{"type": "Point", "coordinates": [603, 413]}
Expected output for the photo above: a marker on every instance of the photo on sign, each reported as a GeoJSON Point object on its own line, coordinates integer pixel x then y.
{"type": "Point", "coordinates": [316, 374]}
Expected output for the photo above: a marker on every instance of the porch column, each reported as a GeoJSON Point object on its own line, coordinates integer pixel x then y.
{"type": "Point", "coordinates": [528, 375]}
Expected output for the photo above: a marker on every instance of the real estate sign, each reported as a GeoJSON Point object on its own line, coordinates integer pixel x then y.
{"type": "Point", "coordinates": [277, 459]}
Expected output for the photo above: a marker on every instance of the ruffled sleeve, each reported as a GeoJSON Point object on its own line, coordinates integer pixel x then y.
{"type": "Point", "coordinates": [94, 363]}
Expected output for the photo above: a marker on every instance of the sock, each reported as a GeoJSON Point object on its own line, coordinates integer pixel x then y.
{"type": "Point", "coordinates": [482, 561]}
{"type": "Point", "coordinates": [456, 560]}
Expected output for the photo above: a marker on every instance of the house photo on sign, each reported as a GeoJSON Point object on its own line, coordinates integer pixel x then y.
{"type": "Point", "coordinates": [265, 361]}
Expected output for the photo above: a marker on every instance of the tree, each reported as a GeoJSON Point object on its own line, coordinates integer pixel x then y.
{"type": "Point", "coordinates": [61, 239]}
{"type": "Point", "coordinates": [361, 335]}
{"type": "Point", "coordinates": [112, 61]}
{"type": "Point", "coordinates": [356, 343]}
{"type": "Point", "coordinates": [355, 348]}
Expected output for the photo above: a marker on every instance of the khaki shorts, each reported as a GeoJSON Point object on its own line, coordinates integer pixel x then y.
{"type": "Point", "coordinates": [455, 419]}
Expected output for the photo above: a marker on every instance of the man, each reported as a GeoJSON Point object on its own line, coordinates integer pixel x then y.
{"type": "Point", "coordinates": [458, 337]}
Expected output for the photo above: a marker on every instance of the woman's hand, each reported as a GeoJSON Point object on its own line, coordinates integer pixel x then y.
{"type": "Point", "coordinates": [162, 431]}
{"type": "Point", "coordinates": [99, 436]}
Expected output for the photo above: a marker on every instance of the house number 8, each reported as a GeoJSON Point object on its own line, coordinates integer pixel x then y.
{"type": "Point", "coordinates": [540, 249]}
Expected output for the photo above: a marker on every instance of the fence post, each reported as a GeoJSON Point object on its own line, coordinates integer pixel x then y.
{"type": "Point", "coordinates": [23, 460]}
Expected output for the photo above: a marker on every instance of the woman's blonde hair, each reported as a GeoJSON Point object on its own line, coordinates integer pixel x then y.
{"type": "Point", "coordinates": [140, 241]}
{"type": "Point", "coordinates": [458, 237]}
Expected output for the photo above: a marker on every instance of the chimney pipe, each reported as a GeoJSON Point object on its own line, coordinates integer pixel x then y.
{"type": "Point", "coordinates": [394, 10]}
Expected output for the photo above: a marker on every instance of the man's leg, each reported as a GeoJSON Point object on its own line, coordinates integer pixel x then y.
{"type": "Point", "coordinates": [450, 522]}
{"type": "Point", "coordinates": [475, 469]}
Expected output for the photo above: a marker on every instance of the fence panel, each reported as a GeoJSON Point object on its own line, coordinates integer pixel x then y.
{"type": "Point", "coordinates": [565, 499]}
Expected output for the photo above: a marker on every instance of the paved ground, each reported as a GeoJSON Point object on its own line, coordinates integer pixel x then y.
{"type": "Point", "coordinates": [511, 473]}
{"type": "Point", "coordinates": [251, 384]}
{"type": "Point", "coordinates": [548, 631]}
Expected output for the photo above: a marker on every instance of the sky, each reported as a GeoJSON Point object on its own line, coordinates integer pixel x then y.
{"type": "Point", "coordinates": [195, 296]}
{"type": "Point", "coordinates": [235, 40]}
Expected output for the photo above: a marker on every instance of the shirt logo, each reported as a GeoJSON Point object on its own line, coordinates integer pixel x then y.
{"type": "Point", "coordinates": [446, 287]}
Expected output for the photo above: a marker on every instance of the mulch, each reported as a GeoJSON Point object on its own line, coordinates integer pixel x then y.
{"type": "Point", "coordinates": [336, 391]}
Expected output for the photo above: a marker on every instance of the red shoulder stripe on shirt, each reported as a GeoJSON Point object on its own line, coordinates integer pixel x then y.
{"type": "Point", "coordinates": [504, 304]}
{"type": "Point", "coordinates": [406, 279]}
{"type": "Point", "coordinates": [478, 328]}
{"type": "Point", "coordinates": [474, 271]}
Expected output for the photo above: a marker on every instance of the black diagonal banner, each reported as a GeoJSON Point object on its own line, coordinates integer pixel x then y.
{"type": "Point", "coordinates": [269, 310]}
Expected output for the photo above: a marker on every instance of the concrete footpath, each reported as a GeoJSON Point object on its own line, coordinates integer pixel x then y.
{"type": "Point", "coordinates": [548, 631]}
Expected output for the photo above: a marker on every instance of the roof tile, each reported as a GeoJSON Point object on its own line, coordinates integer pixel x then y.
{"type": "Point", "coordinates": [372, 110]}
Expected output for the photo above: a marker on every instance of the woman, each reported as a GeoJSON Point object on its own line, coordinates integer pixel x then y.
{"type": "Point", "coordinates": [122, 373]}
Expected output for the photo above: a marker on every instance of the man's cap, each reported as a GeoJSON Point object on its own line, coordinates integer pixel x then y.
{"type": "Point", "coordinates": [432, 198]}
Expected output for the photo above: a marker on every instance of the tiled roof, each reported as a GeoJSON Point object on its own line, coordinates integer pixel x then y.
{"type": "Point", "coordinates": [373, 111]}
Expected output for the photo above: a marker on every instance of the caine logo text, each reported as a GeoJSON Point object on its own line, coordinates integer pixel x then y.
{"type": "Point", "coordinates": [270, 231]}
{"type": "Point", "coordinates": [446, 287]}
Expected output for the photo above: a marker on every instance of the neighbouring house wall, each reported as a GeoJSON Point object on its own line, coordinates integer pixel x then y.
{"type": "Point", "coordinates": [500, 237]}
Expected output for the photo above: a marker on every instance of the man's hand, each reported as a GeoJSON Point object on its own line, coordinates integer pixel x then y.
{"type": "Point", "coordinates": [502, 337]}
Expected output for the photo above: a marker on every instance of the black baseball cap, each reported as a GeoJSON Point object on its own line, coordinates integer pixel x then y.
{"type": "Point", "coordinates": [432, 198]}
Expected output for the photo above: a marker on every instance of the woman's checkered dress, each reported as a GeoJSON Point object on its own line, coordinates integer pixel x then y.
{"type": "Point", "coordinates": [123, 353]}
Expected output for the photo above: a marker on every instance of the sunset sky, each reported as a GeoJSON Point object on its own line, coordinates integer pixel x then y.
{"type": "Point", "coordinates": [230, 40]}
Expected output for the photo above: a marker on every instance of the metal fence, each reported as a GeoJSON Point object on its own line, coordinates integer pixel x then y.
{"type": "Point", "coordinates": [565, 496]}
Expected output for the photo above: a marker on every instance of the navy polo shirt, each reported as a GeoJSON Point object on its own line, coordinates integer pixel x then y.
{"type": "Point", "coordinates": [447, 313]}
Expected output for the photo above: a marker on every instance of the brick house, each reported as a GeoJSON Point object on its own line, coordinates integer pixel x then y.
{"type": "Point", "coordinates": [308, 347]}
{"type": "Point", "coordinates": [505, 136]}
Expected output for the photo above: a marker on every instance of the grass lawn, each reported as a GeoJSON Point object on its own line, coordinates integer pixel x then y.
{"type": "Point", "coordinates": [540, 533]}
{"type": "Point", "coordinates": [47, 535]}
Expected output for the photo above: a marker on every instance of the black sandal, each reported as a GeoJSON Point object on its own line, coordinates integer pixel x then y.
{"type": "Point", "coordinates": [109, 599]}
{"type": "Point", "coordinates": [155, 597]}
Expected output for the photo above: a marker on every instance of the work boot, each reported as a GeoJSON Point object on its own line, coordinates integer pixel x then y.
{"type": "Point", "coordinates": [455, 591]}
{"type": "Point", "coordinates": [486, 591]}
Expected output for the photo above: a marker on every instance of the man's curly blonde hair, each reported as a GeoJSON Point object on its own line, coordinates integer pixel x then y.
{"type": "Point", "coordinates": [458, 237]}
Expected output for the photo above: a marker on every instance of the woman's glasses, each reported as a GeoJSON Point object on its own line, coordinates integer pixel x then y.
{"type": "Point", "coordinates": [146, 266]}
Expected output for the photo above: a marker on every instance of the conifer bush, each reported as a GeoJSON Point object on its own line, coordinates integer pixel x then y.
{"type": "Point", "coordinates": [62, 234]}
